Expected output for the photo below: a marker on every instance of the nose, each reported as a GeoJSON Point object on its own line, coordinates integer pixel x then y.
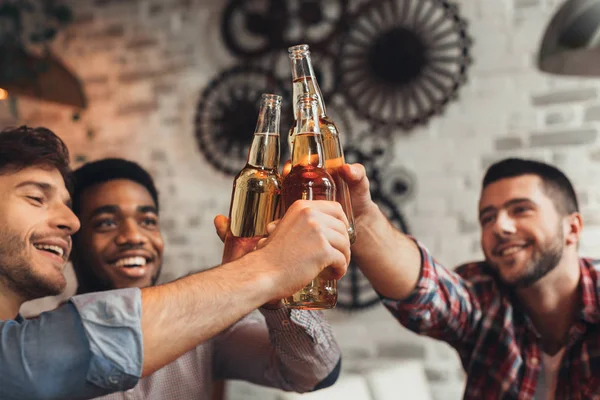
{"type": "Point", "coordinates": [130, 234]}
{"type": "Point", "coordinates": [66, 220]}
{"type": "Point", "coordinates": [504, 224]}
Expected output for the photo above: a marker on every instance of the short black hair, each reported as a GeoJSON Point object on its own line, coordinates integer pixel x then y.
{"type": "Point", "coordinates": [22, 147]}
{"type": "Point", "coordinates": [110, 169]}
{"type": "Point", "coordinates": [556, 184]}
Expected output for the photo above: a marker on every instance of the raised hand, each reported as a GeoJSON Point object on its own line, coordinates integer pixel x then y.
{"type": "Point", "coordinates": [310, 237]}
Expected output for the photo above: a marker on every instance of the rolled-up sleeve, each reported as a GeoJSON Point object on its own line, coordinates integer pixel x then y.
{"type": "Point", "coordinates": [89, 347]}
{"type": "Point", "coordinates": [293, 350]}
{"type": "Point", "coordinates": [443, 305]}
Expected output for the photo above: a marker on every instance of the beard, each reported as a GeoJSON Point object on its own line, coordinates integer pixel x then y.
{"type": "Point", "coordinates": [17, 272]}
{"type": "Point", "coordinates": [544, 259]}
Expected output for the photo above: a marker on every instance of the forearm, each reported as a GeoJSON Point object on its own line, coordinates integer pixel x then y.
{"type": "Point", "coordinates": [390, 260]}
{"type": "Point", "coordinates": [180, 315]}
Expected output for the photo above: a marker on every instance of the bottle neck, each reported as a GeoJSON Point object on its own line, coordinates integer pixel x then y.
{"type": "Point", "coordinates": [308, 150]}
{"type": "Point", "coordinates": [264, 150]}
{"type": "Point", "coordinates": [304, 81]}
{"type": "Point", "coordinates": [308, 143]}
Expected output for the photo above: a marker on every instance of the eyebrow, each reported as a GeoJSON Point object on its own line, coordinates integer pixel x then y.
{"type": "Point", "coordinates": [508, 203]}
{"type": "Point", "coordinates": [147, 209]}
{"type": "Point", "coordinates": [45, 187]}
{"type": "Point", "coordinates": [113, 209]}
{"type": "Point", "coordinates": [104, 210]}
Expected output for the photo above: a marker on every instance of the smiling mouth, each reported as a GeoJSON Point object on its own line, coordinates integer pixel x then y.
{"type": "Point", "coordinates": [509, 251]}
{"type": "Point", "coordinates": [131, 262]}
{"type": "Point", "coordinates": [56, 250]}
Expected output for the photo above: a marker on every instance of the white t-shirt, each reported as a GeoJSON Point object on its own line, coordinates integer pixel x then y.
{"type": "Point", "coordinates": [546, 386]}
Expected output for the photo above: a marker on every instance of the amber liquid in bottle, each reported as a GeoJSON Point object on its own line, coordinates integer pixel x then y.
{"type": "Point", "coordinates": [309, 180]}
{"type": "Point", "coordinates": [304, 82]}
{"type": "Point", "coordinates": [257, 187]}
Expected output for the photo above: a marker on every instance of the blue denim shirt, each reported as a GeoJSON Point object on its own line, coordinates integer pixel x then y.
{"type": "Point", "coordinates": [89, 347]}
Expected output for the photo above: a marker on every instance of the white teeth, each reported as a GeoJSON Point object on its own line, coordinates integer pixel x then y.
{"type": "Point", "coordinates": [131, 261]}
{"type": "Point", "coordinates": [510, 250]}
{"type": "Point", "coordinates": [55, 249]}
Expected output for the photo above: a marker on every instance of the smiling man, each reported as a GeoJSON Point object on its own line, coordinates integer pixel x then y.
{"type": "Point", "coordinates": [120, 246]}
{"type": "Point", "coordinates": [100, 343]}
{"type": "Point", "coordinates": [526, 321]}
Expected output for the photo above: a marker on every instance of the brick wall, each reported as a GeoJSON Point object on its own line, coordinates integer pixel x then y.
{"type": "Point", "coordinates": [145, 63]}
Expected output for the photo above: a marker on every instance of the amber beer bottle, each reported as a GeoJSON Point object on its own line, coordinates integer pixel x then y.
{"type": "Point", "coordinates": [305, 82]}
{"type": "Point", "coordinates": [309, 180]}
{"type": "Point", "coordinates": [256, 190]}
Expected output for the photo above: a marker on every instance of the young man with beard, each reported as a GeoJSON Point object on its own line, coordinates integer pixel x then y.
{"type": "Point", "coordinates": [120, 245]}
{"type": "Point", "coordinates": [104, 342]}
{"type": "Point", "coordinates": [526, 321]}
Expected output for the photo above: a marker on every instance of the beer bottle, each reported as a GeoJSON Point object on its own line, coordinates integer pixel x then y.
{"type": "Point", "coordinates": [305, 82]}
{"type": "Point", "coordinates": [309, 180]}
{"type": "Point", "coordinates": [256, 190]}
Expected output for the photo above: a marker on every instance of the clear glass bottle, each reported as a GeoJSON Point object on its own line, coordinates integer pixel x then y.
{"type": "Point", "coordinates": [255, 198]}
{"type": "Point", "coordinates": [309, 180]}
{"type": "Point", "coordinates": [305, 83]}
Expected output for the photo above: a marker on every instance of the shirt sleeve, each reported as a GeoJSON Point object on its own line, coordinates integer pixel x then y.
{"type": "Point", "coordinates": [443, 305]}
{"type": "Point", "coordinates": [293, 350]}
{"type": "Point", "coordinates": [89, 347]}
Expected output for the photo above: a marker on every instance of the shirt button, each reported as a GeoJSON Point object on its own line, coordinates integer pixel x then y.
{"type": "Point", "coordinates": [285, 322]}
{"type": "Point", "coordinates": [534, 361]}
{"type": "Point", "coordinates": [113, 379]}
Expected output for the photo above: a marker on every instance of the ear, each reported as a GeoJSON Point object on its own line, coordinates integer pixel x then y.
{"type": "Point", "coordinates": [573, 226]}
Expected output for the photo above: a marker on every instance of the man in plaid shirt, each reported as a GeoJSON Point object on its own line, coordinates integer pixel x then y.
{"type": "Point", "coordinates": [525, 321]}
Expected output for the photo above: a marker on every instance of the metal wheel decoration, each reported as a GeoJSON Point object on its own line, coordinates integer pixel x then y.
{"type": "Point", "coordinates": [252, 28]}
{"type": "Point", "coordinates": [354, 290]}
{"type": "Point", "coordinates": [227, 113]}
{"type": "Point", "coordinates": [402, 61]}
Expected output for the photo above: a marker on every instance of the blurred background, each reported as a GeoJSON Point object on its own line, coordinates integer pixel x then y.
{"type": "Point", "coordinates": [426, 93]}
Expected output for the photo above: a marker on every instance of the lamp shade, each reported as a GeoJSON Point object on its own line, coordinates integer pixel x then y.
{"type": "Point", "coordinates": [571, 42]}
{"type": "Point", "coordinates": [42, 77]}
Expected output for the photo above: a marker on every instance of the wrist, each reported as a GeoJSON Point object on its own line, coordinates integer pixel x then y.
{"type": "Point", "coordinates": [368, 215]}
{"type": "Point", "coordinates": [265, 274]}
{"type": "Point", "coordinates": [371, 224]}
{"type": "Point", "coordinates": [273, 305]}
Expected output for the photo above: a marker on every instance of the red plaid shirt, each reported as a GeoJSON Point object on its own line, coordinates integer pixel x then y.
{"type": "Point", "coordinates": [497, 343]}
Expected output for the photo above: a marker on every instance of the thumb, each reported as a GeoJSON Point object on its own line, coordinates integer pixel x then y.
{"type": "Point", "coordinates": [356, 177]}
{"type": "Point", "coordinates": [221, 224]}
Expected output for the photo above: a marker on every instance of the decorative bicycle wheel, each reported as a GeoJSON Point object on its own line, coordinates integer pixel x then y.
{"type": "Point", "coordinates": [252, 28]}
{"type": "Point", "coordinates": [402, 61]}
{"type": "Point", "coordinates": [227, 113]}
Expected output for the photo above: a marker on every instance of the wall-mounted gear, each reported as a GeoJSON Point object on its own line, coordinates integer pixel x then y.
{"type": "Point", "coordinates": [253, 28]}
{"type": "Point", "coordinates": [227, 112]}
{"type": "Point", "coordinates": [402, 61]}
